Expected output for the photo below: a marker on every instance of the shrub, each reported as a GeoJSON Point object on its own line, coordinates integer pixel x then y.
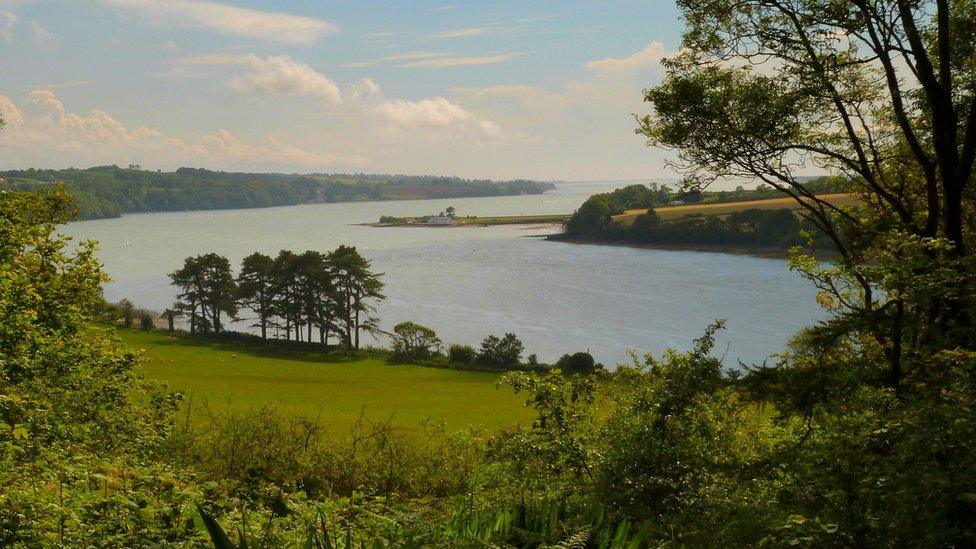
{"type": "Point", "coordinates": [146, 321]}
{"type": "Point", "coordinates": [501, 352]}
{"type": "Point", "coordinates": [127, 312]}
{"type": "Point", "coordinates": [578, 363]}
{"type": "Point", "coordinates": [413, 341]}
{"type": "Point", "coordinates": [461, 354]}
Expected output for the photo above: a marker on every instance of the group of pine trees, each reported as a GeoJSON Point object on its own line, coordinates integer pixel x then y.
{"type": "Point", "coordinates": [296, 296]}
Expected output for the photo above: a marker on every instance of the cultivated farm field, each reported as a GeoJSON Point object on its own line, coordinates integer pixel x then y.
{"type": "Point", "coordinates": [666, 213]}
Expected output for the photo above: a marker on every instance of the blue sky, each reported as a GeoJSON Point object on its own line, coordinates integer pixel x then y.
{"type": "Point", "coordinates": [536, 89]}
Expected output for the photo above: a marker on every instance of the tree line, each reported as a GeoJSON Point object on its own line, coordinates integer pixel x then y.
{"type": "Point", "coordinates": [110, 191]}
{"type": "Point", "coordinates": [298, 297]}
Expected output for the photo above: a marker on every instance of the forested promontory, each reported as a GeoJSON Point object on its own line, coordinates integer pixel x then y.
{"type": "Point", "coordinates": [110, 191]}
{"type": "Point", "coordinates": [753, 220]}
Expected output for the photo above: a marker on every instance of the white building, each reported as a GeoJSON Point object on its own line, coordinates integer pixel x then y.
{"type": "Point", "coordinates": [440, 220]}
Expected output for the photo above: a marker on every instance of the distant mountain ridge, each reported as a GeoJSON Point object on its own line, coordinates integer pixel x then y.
{"type": "Point", "coordinates": [110, 191]}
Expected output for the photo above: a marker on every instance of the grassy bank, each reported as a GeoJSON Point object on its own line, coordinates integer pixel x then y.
{"type": "Point", "coordinates": [667, 213]}
{"type": "Point", "coordinates": [335, 387]}
{"type": "Point", "coordinates": [479, 221]}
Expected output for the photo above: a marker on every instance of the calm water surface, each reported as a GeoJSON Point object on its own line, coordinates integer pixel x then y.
{"type": "Point", "coordinates": [467, 283]}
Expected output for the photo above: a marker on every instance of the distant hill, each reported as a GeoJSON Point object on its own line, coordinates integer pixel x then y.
{"type": "Point", "coordinates": [110, 191]}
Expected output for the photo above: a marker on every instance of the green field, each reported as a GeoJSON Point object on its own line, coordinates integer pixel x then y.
{"type": "Point", "coordinates": [667, 213]}
{"type": "Point", "coordinates": [512, 219]}
{"type": "Point", "coordinates": [332, 387]}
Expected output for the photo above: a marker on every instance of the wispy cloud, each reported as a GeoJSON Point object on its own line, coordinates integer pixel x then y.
{"type": "Point", "coordinates": [8, 20]}
{"type": "Point", "coordinates": [444, 62]}
{"type": "Point", "coordinates": [461, 33]}
{"type": "Point", "coordinates": [514, 91]}
{"type": "Point", "coordinates": [415, 55]}
{"type": "Point", "coordinates": [408, 56]}
{"type": "Point", "coordinates": [442, 8]}
{"type": "Point", "coordinates": [535, 19]}
{"type": "Point", "coordinates": [63, 85]}
{"type": "Point", "coordinates": [271, 75]}
{"type": "Point", "coordinates": [41, 34]}
{"type": "Point", "coordinates": [231, 20]}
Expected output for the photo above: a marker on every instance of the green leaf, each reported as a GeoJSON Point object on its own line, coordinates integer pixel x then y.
{"type": "Point", "coordinates": [217, 534]}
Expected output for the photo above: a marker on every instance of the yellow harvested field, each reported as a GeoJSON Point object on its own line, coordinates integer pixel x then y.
{"type": "Point", "coordinates": [725, 208]}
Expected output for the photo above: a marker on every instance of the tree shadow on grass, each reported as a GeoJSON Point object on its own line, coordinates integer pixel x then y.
{"type": "Point", "coordinates": [246, 344]}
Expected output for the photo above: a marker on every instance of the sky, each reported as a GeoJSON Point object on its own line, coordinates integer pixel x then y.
{"type": "Point", "coordinates": [540, 89]}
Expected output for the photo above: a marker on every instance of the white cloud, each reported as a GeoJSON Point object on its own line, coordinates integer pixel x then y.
{"type": "Point", "coordinates": [646, 58]}
{"type": "Point", "coordinates": [10, 113]}
{"type": "Point", "coordinates": [514, 91]}
{"type": "Point", "coordinates": [412, 55]}
{"type": "Point", "coordinates": [436, 119]}
{"type": "Point", "coordinates": [41, 34]}
{"type": "Point", "coordinates": [9, 21]}
{"type": "Point", "coordinates": [461, 33]}
{"type": "Point", "coordinates": [281, 75]}
{"type": "Point", "coordinates": [43, 132]}
{"type": "Point", "coordinates": [365, 90]}
{"type": "Point", "coordinates": [231, 20]}
{"type": "Point", "coordinates": [272, 75]}
{"type": "Point", "coordinates": [444, 62]}
{"type": "Point", "coordinates": [64, 85]}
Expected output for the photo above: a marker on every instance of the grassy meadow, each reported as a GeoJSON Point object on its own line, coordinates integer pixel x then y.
{"type": "Point", "coordinates": [666, 213]}
{"type": "Point", "coordinates": [332, 387]}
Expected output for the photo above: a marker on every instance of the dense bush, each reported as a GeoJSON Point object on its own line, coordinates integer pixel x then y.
{"type": "Point", "coordinates": [146, 321]}
{"type": "Point", "coordinates": [577, 363]}
{"type": "Point", "coordinates": [413, 341]}
{"type": "Point", "coordinates": [78, 429]}
{"type": "Point", "coordinates": [503, 352]}
{"type": "Point", "coordinates": [461, 354]}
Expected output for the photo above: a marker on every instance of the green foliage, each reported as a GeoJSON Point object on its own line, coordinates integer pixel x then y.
{"type": "Point", "coordinates": [110, 191]}
{"type": "Point", "coordinates": [146, 321]}
{"type": "Point", "coordinates": [461, 354]}
{"type": "Point", "coordinates": [413, 341]}
{"type": "Point", "coordinates": [127, 312]}
{"type": "Point", "coordinates": [578, 363]}
{"type": "Point", "coordinates": [504, 352]}
{"type": "Point", "coordinates": [592, 219]}
{"type": "Point", "coordinates": [78, 429]}
{"type": "Point", "coordinates": [207, 291]}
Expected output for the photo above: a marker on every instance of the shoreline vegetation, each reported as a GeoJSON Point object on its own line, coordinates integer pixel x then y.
{"type": "Point", "coordinates": [104, 192]}
{"type": "Point", "coordinates": [473, 221]}
{"type": "Point", "coordinates": [759, 223]}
